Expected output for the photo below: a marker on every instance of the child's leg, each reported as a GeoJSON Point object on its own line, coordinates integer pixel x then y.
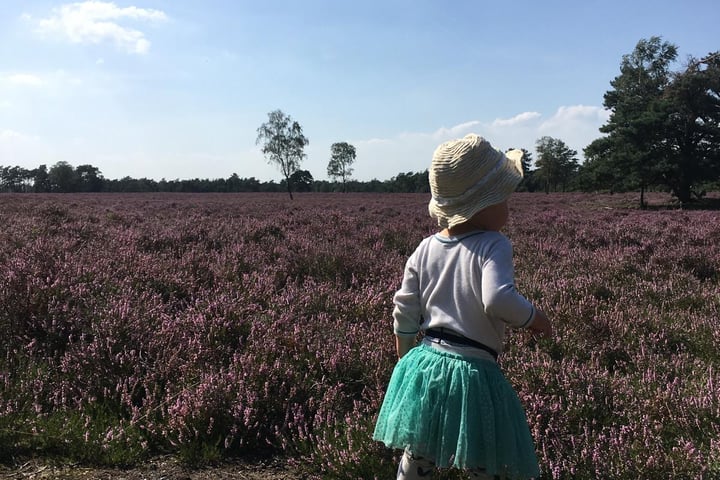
{"type": "Point", "coordinates": [414, 468]}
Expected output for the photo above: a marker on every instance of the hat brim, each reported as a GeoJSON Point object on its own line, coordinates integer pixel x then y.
{"type": "Point", "coordinates": [499, 188]}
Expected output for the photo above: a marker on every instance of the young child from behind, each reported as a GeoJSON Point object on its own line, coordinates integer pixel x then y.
{"type": "Point", "coordinates": [448, 403]}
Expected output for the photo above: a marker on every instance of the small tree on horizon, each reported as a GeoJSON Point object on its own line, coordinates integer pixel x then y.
{"type": "Point", "coordinates": [556, 163]}
{"type": "Point", "coordinates": [302, 180]}
{"type": "Point", "coordinates": [283, 144]}
{"type": "Point", "coordinates": [341, 160]}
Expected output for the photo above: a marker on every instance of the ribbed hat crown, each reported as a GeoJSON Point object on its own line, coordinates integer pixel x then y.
{"type": "Point", "coordinates": [467, 175]}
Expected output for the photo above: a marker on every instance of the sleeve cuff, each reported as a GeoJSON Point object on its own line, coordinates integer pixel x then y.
{"type": "Point", "coordinates": [530, 319]}
{"type": "Point", "coordinates": [400, 333]}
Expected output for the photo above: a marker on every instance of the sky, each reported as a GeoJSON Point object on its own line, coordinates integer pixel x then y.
{"type": "Point", "coordinates": [177, 89]}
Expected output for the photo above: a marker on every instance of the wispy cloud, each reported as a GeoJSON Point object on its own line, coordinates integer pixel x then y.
{"type": "Point", "coordinates": [582, 114]}
{"type": "Point", "coordinates": [522, 118]}
{"type": "Point", "coordinates": [47, 80]}
{"type": "Point", "coordinates": [456, 131]}
{"type": "Point", "coordinates": [8, 135]}
{"type": "Point", "coordinates": [94, 22]}
{"type": "Point", "coordinates": [23, 79]}
{"type": "Point", "coordinates": [576, 125]}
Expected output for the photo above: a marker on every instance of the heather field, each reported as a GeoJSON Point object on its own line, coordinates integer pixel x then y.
{"type": "Point", "coordinates": [217, 327]}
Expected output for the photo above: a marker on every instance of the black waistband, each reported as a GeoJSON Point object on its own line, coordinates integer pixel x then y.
{"type": "Point", "coordinates": [448, 336]}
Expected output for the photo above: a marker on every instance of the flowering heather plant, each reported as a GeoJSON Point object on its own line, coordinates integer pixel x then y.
{"type": "Point", "coordinates": [213, 326]}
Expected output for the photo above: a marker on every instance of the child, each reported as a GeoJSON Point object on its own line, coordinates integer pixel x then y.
{"type": "Point", "coordinates": [448, 403]}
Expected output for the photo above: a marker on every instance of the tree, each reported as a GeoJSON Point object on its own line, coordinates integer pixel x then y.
{"type": "Point", "coordinates": [233, 183]}
{"type": "Point", "coordinates": [15, 179]}
{"type": "Point", "coordinates": [341, 159]}
{"type": "Point", "coordinates": [62, 177]}
{"type": "Point", "coordinates": [689, 117]}
{"type": "Point", "coordinates": [664, 127]}
{"type": "Point", "coordinates": [633, 133]}
{"type": "Point", "coordinates": [302, 180]}
{"type": "Point", "coordinates": [89, 178]}
{"type": "Point", "coordinates": [556, 164]}
{"type": "Point", "coordinates": [283, 143]}
{"type": "Point", "coordinates": [410, 182]}
{"type": "Point", "coordinates": [599, 173]}
{"type": "Point", "coordinates": [41, 179]}
{"type": "Point", "coordinates": [5, 179]}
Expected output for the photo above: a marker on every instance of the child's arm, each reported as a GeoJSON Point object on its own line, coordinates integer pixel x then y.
{"type": "Point", "coordinates": [501, 299]}
{"type": "Point", "coordinates": [407, 312]}
{"type": "Point", "coordinates": [403, 345]}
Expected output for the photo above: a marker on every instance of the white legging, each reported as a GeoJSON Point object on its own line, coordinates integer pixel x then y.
{"type": "Point", "coordinates": [418, 468]}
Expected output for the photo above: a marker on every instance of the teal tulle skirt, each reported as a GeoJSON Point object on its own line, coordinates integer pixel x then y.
{"type": "Point", "coordinates": [458, 412]}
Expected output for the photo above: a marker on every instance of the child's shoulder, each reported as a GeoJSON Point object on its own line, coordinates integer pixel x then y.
{"type": "Point", "coordinates": [487, 239]}
{"type": "Point", "coordinates": [480, 239]}
{"type": "Point", "coordinates": [478, 236]}
{"type": "Point", "coordinates": [494, 235]}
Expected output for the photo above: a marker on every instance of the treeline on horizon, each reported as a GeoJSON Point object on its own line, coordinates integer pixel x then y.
{"type": "Point", "coordinates": [64, 178]}
{"type": "Point", "coordinates": [663, 134]}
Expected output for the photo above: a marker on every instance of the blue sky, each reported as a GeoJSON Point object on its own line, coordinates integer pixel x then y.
{"type": "Point", "coordinates": [177, 88]}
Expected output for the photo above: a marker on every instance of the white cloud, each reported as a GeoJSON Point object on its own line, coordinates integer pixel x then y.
{"type": "Point", "coordinates": [383, 158]}
{"type": "Point", "coordinates": [520, 119]}
{"type": "Point", "coordinates": [582, 114]}
{"type": "Point", "coordinates": [460, 130]}
{"type": "Point", "coordinates": [10, 135]}
{"type": "Point", "coordinates": [24, 79]}
{"type": "Point", "coordinates": [17, 84]}
{"type": "Point", "coordinates": [576, 125]}
{"type": "Point", "coordinates": [95, 22]}
{"type": "Point", "coordinates": [13, 138]}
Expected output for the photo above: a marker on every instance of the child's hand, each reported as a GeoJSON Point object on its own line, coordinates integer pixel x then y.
{"type": "Point", "coordinates": [540, 324]}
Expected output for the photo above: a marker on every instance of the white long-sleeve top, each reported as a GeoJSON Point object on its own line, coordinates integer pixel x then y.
{"type": "Point", "coordinates": [464, 283]}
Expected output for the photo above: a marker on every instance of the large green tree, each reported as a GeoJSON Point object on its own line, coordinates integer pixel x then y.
{"type": "Point", "coordinates": [689, 111]}
{"type": "Point", "coordinates": [283, 143]}
{"type": "Point", "coordinates": [663, 126]}
{"type": "Point", "coordinates": [632, 126]}
{"type": "Point", "coordinates": [556, 164]}
{"type": "Point", "coordinates": [342, 156]}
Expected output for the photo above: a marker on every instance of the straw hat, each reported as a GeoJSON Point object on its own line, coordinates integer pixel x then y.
{"type": "Point", "coordinates": [468, 175]}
